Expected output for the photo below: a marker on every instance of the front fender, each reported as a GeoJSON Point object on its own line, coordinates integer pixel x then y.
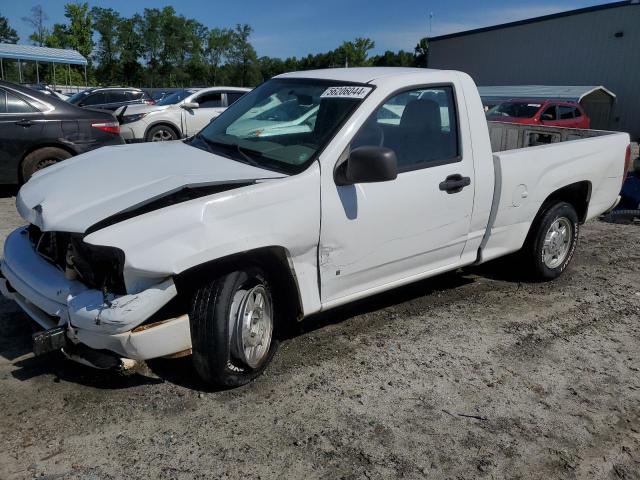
{"type": "Point", "coordinates": [281, 212]}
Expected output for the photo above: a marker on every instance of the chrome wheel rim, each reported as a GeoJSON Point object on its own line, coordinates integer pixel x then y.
{"type": "Point", "coordinates": [557, 242]}
{"type": "Point", "coordinates": [253, 325]}
{"type": "Point", "coordinates": [161, 135]}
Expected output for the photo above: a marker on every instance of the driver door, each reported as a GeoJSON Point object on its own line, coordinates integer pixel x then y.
{"type": "Point", "coordinates": [209, 107]}
{"type": "Point", "coordinates": [377, 235]}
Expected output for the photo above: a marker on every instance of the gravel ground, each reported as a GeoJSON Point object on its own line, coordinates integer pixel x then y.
{"type": "Point", "coordinates": [468, 375]}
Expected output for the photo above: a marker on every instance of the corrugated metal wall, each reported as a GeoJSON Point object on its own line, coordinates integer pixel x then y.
{"type": "Point", "coordinates": [579, 49]}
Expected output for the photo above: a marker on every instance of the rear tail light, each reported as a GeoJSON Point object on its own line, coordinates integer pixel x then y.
{"type": "Point", "coordinates": [627, 161]}
{"type": "Point", "coordinates": [109, 127]}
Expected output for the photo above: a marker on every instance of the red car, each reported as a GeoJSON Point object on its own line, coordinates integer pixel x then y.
{"type": "Point", "coordinates": [536, 112]}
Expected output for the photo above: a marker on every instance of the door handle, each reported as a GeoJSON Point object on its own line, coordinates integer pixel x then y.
{"type": "Point", "coordinates": [454, 183]}
{"type": "Point", "coordinates": [24, 123]}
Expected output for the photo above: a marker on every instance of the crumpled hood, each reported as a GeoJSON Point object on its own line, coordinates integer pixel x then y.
{"type": "Point", "coordinates": [77, 193]}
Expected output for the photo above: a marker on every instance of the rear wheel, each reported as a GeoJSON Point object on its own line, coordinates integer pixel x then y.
{"type": "Point", "coordinates": [161, 133]}
{"type": "Point", "coordinates": [42, 158]}
{"type": "Point", "coordinates": [552, 241]}
{"type": "Point", "coordinates": [233, 324]}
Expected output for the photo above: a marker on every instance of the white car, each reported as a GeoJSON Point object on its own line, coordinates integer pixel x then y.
{"type": "Point", "coordinates": [181, 114]}
{"type": "Point", "coordinates": [211, 246]}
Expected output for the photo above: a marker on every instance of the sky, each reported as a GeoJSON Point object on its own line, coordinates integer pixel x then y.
{"type": "Point", "coordinates": [284, 28]}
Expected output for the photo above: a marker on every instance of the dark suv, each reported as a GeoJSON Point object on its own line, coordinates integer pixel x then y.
{"type": "Point", "coordinates": [110, 98]}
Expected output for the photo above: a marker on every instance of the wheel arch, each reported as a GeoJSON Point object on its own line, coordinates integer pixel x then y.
{"type": "Point", "coordinates": [166, 123]}
{"type": "Point", "coordinates": [276, 260]}
{"type": "Point", "coordinates": [577, 194]}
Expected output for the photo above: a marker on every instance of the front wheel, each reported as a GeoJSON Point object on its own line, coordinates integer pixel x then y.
{"type": "Point", "coordinates": [232, 322]}
{"type": "Point", "coordinates": [552, 241]}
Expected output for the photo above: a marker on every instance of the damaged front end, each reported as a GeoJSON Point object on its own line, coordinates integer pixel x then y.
{"type": "Point", "coordinates": [76, 292]}
{"type": "Point", "coordinates": [98, 267]}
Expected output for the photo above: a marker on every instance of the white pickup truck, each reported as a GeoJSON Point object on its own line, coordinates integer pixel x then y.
{"type": "Point", "coordinates": [211, 245]}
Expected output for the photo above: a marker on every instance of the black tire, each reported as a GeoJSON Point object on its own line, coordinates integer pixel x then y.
{"type": "Point", "coordinates": [212, 334]}
{"type": "Point", "coordinates": [161, 133]}
{"type": "Point", "coordinates": [533, 252]}
{"type": "Point", "coordinates": [41, 158]}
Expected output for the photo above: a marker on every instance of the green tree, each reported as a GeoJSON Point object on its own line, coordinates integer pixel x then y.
{"type": "Point", "coordinates": [219, 41]}
{"type": "Point", "coordinates": [354, 54]}
{"type": "Point", "coordinates": [37, 22]}
{"type": "Point", "coordinates": [421, 53]}
{"type": "Point", "coordinates": [7, 34]}
{"type": "Point", "coordinates": [270, 67]}
{"type": "Point", "coordinates": [394, 59]}
{"type": "Point", "coordinates": [130, 71]}
{"type": "Point", "coordinates": [243, 57]}
{"type": "Point", "coordinates": [79, 30]}
{"type": "Point", "coordinates": [153, 28]}
{"type": "Point", "coordinates": [106, 22]}
{"type": "Point", "coordinates": [58, 37]}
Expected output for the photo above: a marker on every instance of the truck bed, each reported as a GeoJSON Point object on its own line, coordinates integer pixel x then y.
{"type": "Point", "coordinates": [531, 162]}
{"type": "Point", "coordinates": [511, 136]}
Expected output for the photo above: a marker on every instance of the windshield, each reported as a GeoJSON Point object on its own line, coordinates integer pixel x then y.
{"type": "Point", "coordinates": [76, 97]}
{"type": "Point", "coordinates": [283, 123]}
{"type": "Point", "coordinates": [515, 109]}
{"type": "Point", "coordinates": [175, 97]}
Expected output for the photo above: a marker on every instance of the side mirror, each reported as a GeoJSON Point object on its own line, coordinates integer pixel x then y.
{"type": "Point", "coordinates": [190, 105]}
{"type": "Point", "coordinates": [367, 165]}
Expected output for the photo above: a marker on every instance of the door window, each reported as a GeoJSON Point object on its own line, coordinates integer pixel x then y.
{"type": "Point", "coordinates": [549, 115]}
{"type": "Point", "coordinates": [566, 112]}
{"type": "Point", "coordinates": [577, 113]}
{"type": "Point", "coordinates": [3, 101]}
{"type": "Point", "coordinates": [117, 97]}
{"type": "Point", "coordinates": [419, 125]}
{"type": "Point", "coordinates": [210, 100]}
{"type": "Point", "coordinates": [15, 104]}
{"type": "Point", "coordinates": [134, 96]}
{"type": "Point", "coordinates": [232, 97]}
{"type": "Point", "coordinates": [98, 98]}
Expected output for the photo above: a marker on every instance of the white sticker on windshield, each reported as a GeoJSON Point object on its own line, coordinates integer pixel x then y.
{"type": "Point", "coordinates": [533, 105]}
{"type": "Point", "coordinates": [346, 92]}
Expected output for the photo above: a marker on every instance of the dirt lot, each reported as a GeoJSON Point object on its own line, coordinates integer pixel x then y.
{"type": "Point", "coordinates": [470, 375]}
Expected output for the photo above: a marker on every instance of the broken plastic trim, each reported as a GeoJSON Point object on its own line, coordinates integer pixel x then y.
{"type": "Point", "coordinates": [181, 195]}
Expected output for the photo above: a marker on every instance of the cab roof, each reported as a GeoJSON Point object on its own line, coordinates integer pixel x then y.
{"type": "Point", "coordinates": [357, 75]}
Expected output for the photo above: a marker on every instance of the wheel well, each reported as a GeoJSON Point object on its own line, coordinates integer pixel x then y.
{"type": "Point", "coordinates": [274, 259]}
{"type": "Point", "coordinates": [66, 148]}
{"type": "Point", "coordinates": [165, 124]}
{"type": "Point", "coordinates": [577, 194]}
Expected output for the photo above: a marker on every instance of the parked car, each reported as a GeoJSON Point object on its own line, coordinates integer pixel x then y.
{"type": "Point", "coordinates": [213, 244]}
{"type": "Point", "coordinates": [536, 112]}
{"type": "Point", "coordinates": [38, 130]}
{"type": "Point", "coordinates": [47, 90]}
{"type": "Point", "coordinates": [178, 115]}
{"type": "Point", "coordinates": [110, 98]}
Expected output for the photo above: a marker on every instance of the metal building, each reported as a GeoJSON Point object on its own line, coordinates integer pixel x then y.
{"type": "Point", "coordinates": [591, 46]}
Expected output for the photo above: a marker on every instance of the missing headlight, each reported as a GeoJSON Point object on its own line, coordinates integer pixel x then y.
{"type": "Point", "coordinates": [96, 266]}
